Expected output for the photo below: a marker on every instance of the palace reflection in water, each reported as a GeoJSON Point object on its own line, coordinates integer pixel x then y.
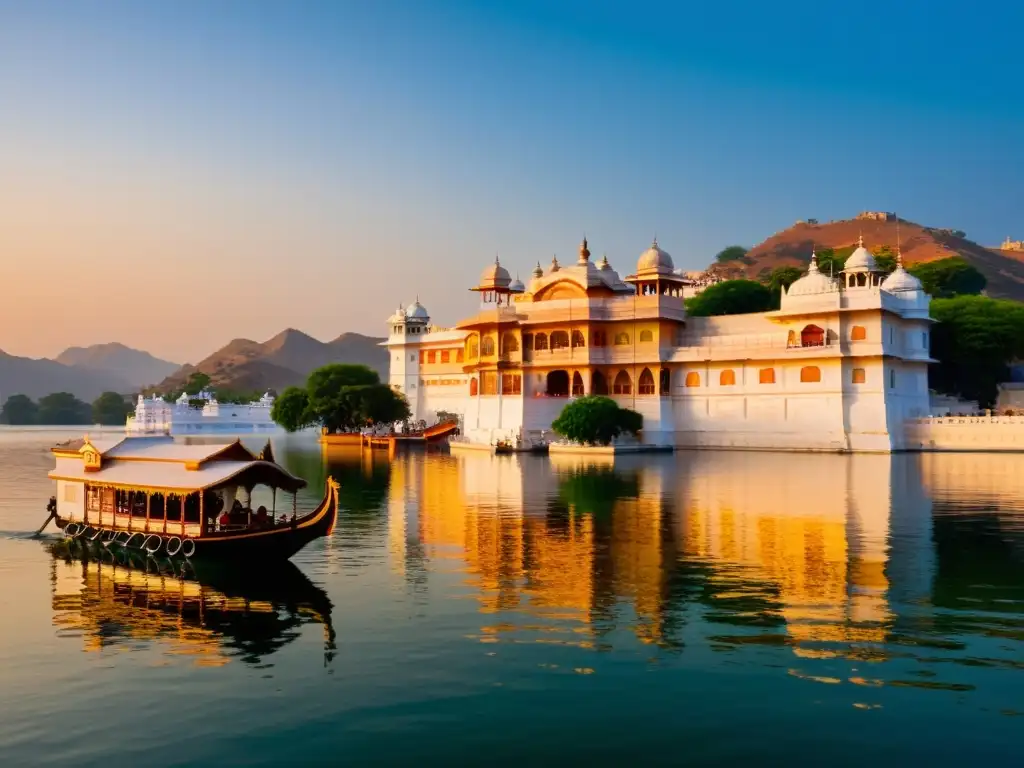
{"type": "Point", "coordinates": [829, 556]}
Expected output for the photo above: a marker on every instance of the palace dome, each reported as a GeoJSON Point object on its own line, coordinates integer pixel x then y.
{"type": "Point", "coordinates": [495, 276]}
{"type": "Point", "coordinates": [654, 259]}
{"type": "Point", "coordinates": [901, 280]}
{"type": "Point", "coordinates": [416, 311]}
{"type": "Point", "coordinates": [517, 286]}
{"type": "Point", "coordinates": [860, 260]}
{"type": "Point", "coordinates": [813, 282]}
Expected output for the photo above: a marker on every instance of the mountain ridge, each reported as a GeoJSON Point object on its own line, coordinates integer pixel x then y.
{"type": "Point", "coordinates": [137, 367]}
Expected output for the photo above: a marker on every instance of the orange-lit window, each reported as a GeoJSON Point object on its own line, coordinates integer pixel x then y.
{"type": "Point", "coordinates": [859, 376]}
{"type": "Point", "coordinates": [578, 340]}
{"type": "Point", "coordinates": [487, 347]}
{"type": "Point", "coordinates": [646, 383]}
{"type": "Point", "coordinates": [621, 339]}
{"type": "Point", "coordinates": [559, 340]}
{"type": "Point", "coordinates": [473, 387]}
{"type": "Point", "coordinates": [598, 339]}
{"type": "Point", "coordinates": [423, 357]}
{"type": "Point", "coordinates": [540, 341]}
{"type": "Point", "coordinates": [858, 333]}
{"type": "Point", "coordinates": [511, 384]}
{"type": "Point", "coordinates": [646, 335]}
{"type": "Point", "coordinates": [509, 343]}
{"type": "Point", "coordinates": [766, 376]}
{"type": "Point", "coordinates": [810, 373]}
{"type": "Point", "coordinates": [446, 356]}
{"type": "Point", "coordinates": [622, 384]}
{"type": "Point", "coordinates": [693, 379]}
{"type": "Point", "coordinates": [489, 383]}
{"type": "Point", "coordinates": [459, 357]}
{"type": "Point", "coordinates": [431, 356]}
{"type": "Point", "coordinates": [727, 377]}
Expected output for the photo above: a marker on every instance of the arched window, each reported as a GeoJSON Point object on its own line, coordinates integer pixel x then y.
{"type": "Point", "coordinates": [622, 339]}
{"type": "Point", "coordinates": [487, 346]}
{"type": "Point", "coordinates": [812, 336]}
{"type": "Point", "coordinates": [473, 387]}
{"type": "Point", "coordinates": [727, 378]}
{"type": "Point", "coordinates": [693, 379]}
{"type": "Point", "coordinates": [862, 280]}
{"type": "Point", "coordinates": [622, 384]}
{"type": "Point", "coordinates": [578, 340]}
{"type": "Point", "coordinates": [598, 384]}
{"type": "Point", "coordinates": [527, 341]}
{"type": "Point", "coordinates": [598, 339]}
{"type": "Point", "coordinates": [858, 333]}
{"type": "Point", "coordinates": [540, 341]}
{"type": "Point", "coordinates": [473, 350]}
{"type": "Point", "coordinates": [810, 374]}
{"type": "Point", "coordinates": [766, 375]}
{"type": "Point", "coordinates": [791, 340]}
{"type": "Point", "coordinates": [558, 384]}
{"type": "Point", "coordinates": [646, 335]}
{"type": "Point", "coordinates": [559, 340]}
{"type": "Point", "coordinates": [665, 381]}
{"type": "Point", "coordinates": [509, 343]}
{"type": "Point", "coordinates": [577, 384]}
{"type": "Point", "coordinates": [646, 384]}
{"type": "Point", "coordinates": [459, 356]}
{"type": "Point", "coordinates": [859, 376]}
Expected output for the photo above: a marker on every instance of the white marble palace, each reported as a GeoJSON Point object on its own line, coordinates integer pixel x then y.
{"type": "Point", "coordinates": [840, 366]}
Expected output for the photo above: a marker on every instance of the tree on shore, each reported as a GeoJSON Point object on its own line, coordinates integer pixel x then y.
{"type": "Point", "coordinates": [945, 278]}
{"type": "Point", "coordinates": [596, 420]}
{"type": "Point", "coordinates": [731, 297]}
{"type": "Point", "coordinates": [731, 253]}
{"type": "Point", "coordinates": [19, 410]}
{"type": "Point", "coordinates": [63, 408]}
{"type": "Point", "coordinates": [339, 397]}
{"type": "Point", "coordinates": [110, 409]}
{"type": "Point", "coordinates": [975, 340]}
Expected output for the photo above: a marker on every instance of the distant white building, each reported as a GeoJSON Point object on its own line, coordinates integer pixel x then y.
{"type": "Point", "coordinates": [199, 414]}
{"type": "Point", "coordinates": [841, 366]}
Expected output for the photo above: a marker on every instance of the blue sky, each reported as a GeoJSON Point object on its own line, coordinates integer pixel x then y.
{"type": "Point", "coordinates": [261, 165]}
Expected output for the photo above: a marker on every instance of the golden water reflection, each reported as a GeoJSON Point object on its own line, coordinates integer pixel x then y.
{"type": "Point", "coordinates": [829, 556]}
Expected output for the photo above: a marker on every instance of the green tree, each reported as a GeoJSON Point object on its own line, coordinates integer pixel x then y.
{"type": "Point", "coordinates": [380, 404]}
{"type": "Point", "coordinates": [731, 297]}
{"type": "Point", "coordinates": [19, 410]}
{"type": "Point", "coordinates": [291, 410]}
{"type": "Point", "coordinates": [885, 258]}
{"type": "Point", "coordinates": [110, 409]}
{"type": "Point", "coordinates": [732, 253]}
{"type": "Point", "coordinates": [596, 490]}
{"type": "Point", "coordinates": [974, 341]}
{"type": "Point", "coordinates": [596, 420]}
{"type": "Point", "coordinates": [952, 276]}
{"type": "Point", "coordinates": [63, 408]}
{"type": "Point", "coordinates": [196, 383]}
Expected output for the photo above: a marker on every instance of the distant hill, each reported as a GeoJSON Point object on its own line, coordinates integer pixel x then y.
{"type": "Point", "coordinates": [36, 378]}
{"type": "Point", "coordinates": [282, 361]}
{"type": "Point", "coordinates": [1004, 270]}
{"type": "Point", "coordinates": [138, 368]}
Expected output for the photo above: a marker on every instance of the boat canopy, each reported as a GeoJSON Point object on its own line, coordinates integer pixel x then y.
{"type": "Point", "coordinates": [162, 464]}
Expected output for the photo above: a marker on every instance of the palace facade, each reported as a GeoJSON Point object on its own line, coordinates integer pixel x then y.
{"type": "Point", "coordinates": [840, 366]}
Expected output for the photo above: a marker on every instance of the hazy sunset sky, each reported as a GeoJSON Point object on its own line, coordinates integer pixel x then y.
{"type": "Point", "coordinates": [177, 174]}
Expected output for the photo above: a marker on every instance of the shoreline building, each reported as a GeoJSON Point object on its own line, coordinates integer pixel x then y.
{"type": "Point", "coordinates": [840, 366]}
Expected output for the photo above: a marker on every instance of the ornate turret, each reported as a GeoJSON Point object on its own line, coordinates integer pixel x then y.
{"type": "Point", "coordinates": [861, 270]}
{"type": "Point", "coordinates": [554, 264]}
{"type": "Point", "coordinates": [584, 251]}
{"type": "Point", "coordinates": [538, 271]}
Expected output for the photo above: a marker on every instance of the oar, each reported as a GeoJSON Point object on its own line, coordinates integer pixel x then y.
{"type": "Point", "coordinates": [45, 523]}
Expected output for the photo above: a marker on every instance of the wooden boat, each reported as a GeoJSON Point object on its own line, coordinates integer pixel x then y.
{"type": "Point", "coordinates": [175, 499]}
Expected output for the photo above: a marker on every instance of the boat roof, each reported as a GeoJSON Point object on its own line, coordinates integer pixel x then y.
{"type": "Point", "coordinates": [162, 463]}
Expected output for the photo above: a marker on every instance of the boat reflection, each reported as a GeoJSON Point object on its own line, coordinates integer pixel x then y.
{"type": "Point", "coordinates": [211, 614]}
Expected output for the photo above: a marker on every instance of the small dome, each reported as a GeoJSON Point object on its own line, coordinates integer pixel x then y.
{"type": "Point", "coordinates": [417, 311]}
{"type": "Point", "coordinates": [901, 280]}
{"type": "Point", "coordinates": [554, 264]}
{"type": "Point", "coordinates": [517, 286]}
{"type": "Point", "coordinates": [495, 276]}
{"type": "Point", "coordinates": [654, 259]}
{"type": "Point", "coordinates": [813, 282]}
{"type": "Point", "coordinates": [603, 264]}
{"type": "Point", "coordinates": [861, 260]}
{"type": "Point", "coordinates": [538, 271]}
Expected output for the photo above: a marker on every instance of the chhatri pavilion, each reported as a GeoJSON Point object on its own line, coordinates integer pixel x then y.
{"type": "Point", "coordinates": [840, 366]}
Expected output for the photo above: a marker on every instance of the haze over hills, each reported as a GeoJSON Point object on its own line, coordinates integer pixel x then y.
{"type": "Point", "coordinates": [1004, 270]}
{"type": "Point", "coordinates": [140, 369]}
{"type": "Point", "coordinates": [37, 378]}
{"type": "Point", "coordinates": [284, 360]}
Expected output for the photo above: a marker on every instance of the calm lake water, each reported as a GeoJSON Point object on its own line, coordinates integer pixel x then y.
{"type": "Point", "coordinates": [701, 608]}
